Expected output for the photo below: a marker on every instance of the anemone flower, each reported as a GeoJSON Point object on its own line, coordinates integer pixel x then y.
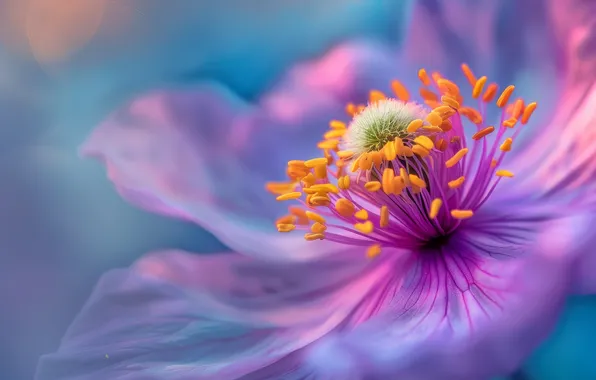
{"type": "Point", "coordinates": [425, 239]}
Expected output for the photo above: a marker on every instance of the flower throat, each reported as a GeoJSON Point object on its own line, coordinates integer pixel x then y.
{"type": "Point", "coordinates": [403, 174]}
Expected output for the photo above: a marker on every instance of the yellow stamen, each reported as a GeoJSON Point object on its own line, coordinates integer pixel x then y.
{"type": "Point", "coordinates": [451, 102]}
{"type": "Point", "coordinates": [344, 182]}
{"type": "Point", "coordinates": [456, 182]}
{"type": "Point", "coordinates": [289, 196]}
{"type": "Point", "coordinates": [425, 142]}
{"type": "Point", "coordinates": [473, 115]}
{"type": "Point", "coordinates": [365, 162]}
{"type": "Point", "coordinates": [468, 74]}
{"type": "Point", "coordinates": [372, 186]}
{"type": "Point", "coordinates": [319, 200]}
{"type": "Point", "coordinates": [434, 118]}
{"type": "Point", "coordinates": [446, 125]}
{"type": "Point", "coordinates": [334, 133]}
{"type": "Point", "coordinates": [435, 206]}
{"type": "Point", "coordinates": [456, 157]}
{"type": "Point", "coordinates": [389, 151]}
{"type": "Point", "coordinates": [320, 171]}
{"type": "Point", "coordinates": [375, 96]}
{"type": "Point", "coordinates": [423, 76]}
{"type": "Point", "coordinates": [510, 123]}
{"type": "Point", "coordinates": [493, 163]}
{"type": "Point", "coordinates": [345, 207]}
{"type": "Point", "coordinates": [286, 219]}
{"type": "Point", "coordinates": [318, 228]}
{"type": "Point", "coordinates": [400, 91]}
{"type": "Point", "coordinates": [361, 214]}
{"type": "Point", "coordinates": [384, 219]}
{"type": "Point", "coordinates": [308, 180]}
{"type": "Point", "coordinates": [417, 181]}
{"type": "Point", "coordinates": [406, 151]}
{"type": "Point", "coordinates": [398, 185]}
{"type": "Point", "coordinates": [373, 251]}
{"type": "Point", "coordinates": [377, 159]}
{"type": "Point", "coordinates": [506, 146]}
{"type": "Point", "coordinates": [518, 108]}
{"type": "Point", "coordinates": [420, 151]}
{"type": "Point", "coordinates": [490, 93]}
{"type": "Point", "coordinates": [414, 125]}
{"type": "Point", "coordinates": [404, 176]}
{"type": "Point", "coordinates": [504, 173]}
{"type": "Point", "coordinates": [478, 87]}
{"type": "Point", "coordinates": [311, 237]}
{"type": "Point", "coordinates": [279, 188]}
{"type": "Point", "coordinates": [328, 144]}
{"type": "Point", "coordinates": [325, 187]}
{"type": "Point", "coordinates": [504, 98]}
{"type": "Point", "coordinates": [351, 109]}
{"type": "Point", "coordinates": [528, 112]}
{"type": "Point", "coordinates": [448, 86]}
{"type": "Point", "coordinates": [345, 154]}
{"type": "Point", "coordinates": [285, 227]}
{"type": "Point", "coordinates": [336, 124]}
{"type": "Point", "coordinates": [366, 227]}
{"type": "Point", "coordinates": [315, 217]}
{"type": "Point", "coordinates": [462, 214]}
{"type": "Point", "coordinates": [429, 97]}
{"type": "Point", "coordinates": [442, 145]}
{"type": "Point", "coordinates": [483, 133]}
{"type": "Point", "coordinates": [387, 180]}
{"type": "Point", "coordinates": [315, 162]}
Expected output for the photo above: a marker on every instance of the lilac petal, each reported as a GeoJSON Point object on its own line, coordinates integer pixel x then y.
{"type": "Point", "coordinates": [180, 316]}
{"type": "Point", "coordinates": [205, 156]}
{"type": "Point", "coordinates": [479, 318]}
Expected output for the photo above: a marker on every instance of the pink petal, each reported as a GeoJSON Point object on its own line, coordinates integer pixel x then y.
{"type": "Point", "coordinates": [476, 314]}
{"type": "Point", "coordinates": [178, 316]}
{"type": "Point", "coordinates": [205, 156]}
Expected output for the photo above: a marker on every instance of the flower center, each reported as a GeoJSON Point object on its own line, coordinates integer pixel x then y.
{"type": "Point", "coordinates": [401, 174]}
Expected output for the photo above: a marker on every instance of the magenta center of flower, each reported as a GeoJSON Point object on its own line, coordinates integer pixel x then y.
{"type": "Point", "coordinates": [401, 174]}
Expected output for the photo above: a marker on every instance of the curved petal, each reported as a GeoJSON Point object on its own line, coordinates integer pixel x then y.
{"type": "Point", "coordinates": [478, 313]}
{"type": "Point", "coordinates": [205, 155]}
{"type": "Point", "coordinates": [180, 316]}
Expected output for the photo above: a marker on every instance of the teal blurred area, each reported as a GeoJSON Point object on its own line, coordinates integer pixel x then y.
{"type": "Point", "coordinates": [62, 223]}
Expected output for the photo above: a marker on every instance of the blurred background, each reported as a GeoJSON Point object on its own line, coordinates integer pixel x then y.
{"type": "Point", "coordinates": [64, 64]}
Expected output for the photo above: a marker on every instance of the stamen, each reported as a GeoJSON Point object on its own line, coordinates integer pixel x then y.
{"type": "Point", "coordinates": [361, 214]}
{"type": "Point", "coordinates": [483, 133]}
{"type": "Point", "coordinates": [315, 217]}
{"type": "Point", "coordinates": [462, 214]}
{"type": "Point", "coordinates": [366, 227]}
{"type": "Point", "coordinates": [376, 96]}
{"type": "Point", "coordinates": [435, 206]}
{"type": "Point", "coordinates": [400, 91]}
{"type": "Point", "coordinates": [456, 182]}
{"type": "Point", "coordinates": [384, 217]}
{"type": "Point", "coordinates": [285, 227]}
{"type": "Point", "coordinates": [389, 163]}
{"type": "Point", "coordinates": [456, 157]}
{"type": "Point", "coordinates": [478, 87]}
{"type": "Point", "coordinates": [314, 162]}
{"type": "Point", "coordinates": [504, 98]}
{"type": "Point", "coordinates": [311, 237]}
{"type": "Point", "coordinates": [528, 112]}
{"type": "Point", "coordinates": [491, 92]}
{"type": "Point", "coordinates": [373, 251]}
{"type": "Point", "coordinates": [504, 173]}
{"type": "Point", "coordinates": [468, 74]}
{"type": "Point", "coordinates": [289, 196]}
{"type": "Point", "coordinates": [423, 76]}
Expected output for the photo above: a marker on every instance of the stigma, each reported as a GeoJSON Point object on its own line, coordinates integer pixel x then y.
{"type": "Point", "coordinates": [401, 173]}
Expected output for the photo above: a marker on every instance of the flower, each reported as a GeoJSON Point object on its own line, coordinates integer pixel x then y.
{"type": "Point", "coordinates": [471, 296]}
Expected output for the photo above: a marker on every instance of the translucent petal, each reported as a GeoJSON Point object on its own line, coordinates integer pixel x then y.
{"type": "Point", "coordinates": [180, 316]}
{"type": "Point", "coordinates": [475, 313]}
{"type": "Point", "coordinates": [205, 155]}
